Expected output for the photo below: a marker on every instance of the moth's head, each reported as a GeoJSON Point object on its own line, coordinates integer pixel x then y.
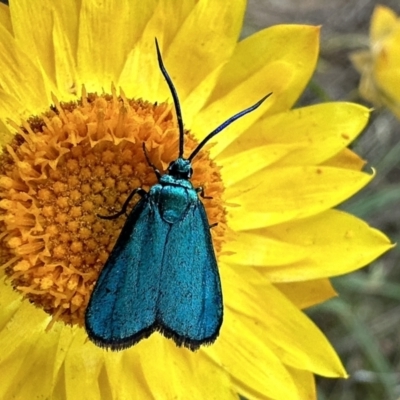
{"type": "Point", "coordinates": [180, 169]}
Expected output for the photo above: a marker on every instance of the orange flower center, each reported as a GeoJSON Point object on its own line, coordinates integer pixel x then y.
{"type": "Point", "coordinates": [61, 170]}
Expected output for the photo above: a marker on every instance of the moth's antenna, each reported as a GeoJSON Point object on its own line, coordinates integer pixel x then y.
{"type": "Point", "coordinates": [175, 98]}
{"type": "Point", "coordinates": [225, 124]}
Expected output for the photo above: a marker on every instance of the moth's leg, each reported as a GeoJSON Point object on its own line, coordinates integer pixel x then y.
{"type": "Point", "coordinates": [200, 190]}
{"type": "Point", "coordinates": [156, 171]}
{"type": "Point", "coordinates": [141, 192]}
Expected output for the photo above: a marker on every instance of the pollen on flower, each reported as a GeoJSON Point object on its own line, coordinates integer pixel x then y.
{"type": "Point", "coordinates": [67, 166]}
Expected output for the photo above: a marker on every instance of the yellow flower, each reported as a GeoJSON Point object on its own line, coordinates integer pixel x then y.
{"type": "Point", "coordinates": [71, 154]}
{"type": "Point", "coordinates": [379, 66]}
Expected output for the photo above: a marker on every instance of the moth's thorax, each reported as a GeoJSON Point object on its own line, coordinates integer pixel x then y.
{"type": "Point", "coordinates": [180, 169]}
{"type": "Point", "coordinates": [174, 198]}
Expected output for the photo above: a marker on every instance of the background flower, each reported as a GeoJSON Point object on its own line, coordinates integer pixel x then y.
{"type": "Point", "coordinates": [379, 67]}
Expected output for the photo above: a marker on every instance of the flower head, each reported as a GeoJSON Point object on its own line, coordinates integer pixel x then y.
{"type": "Point", "coordinates": [72, 149]}
{"type": "Point", "coordinates": [379, 66]}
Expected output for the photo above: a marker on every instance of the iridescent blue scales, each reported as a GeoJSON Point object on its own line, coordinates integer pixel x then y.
{"type": "Point", "coordinates": [162, 273]}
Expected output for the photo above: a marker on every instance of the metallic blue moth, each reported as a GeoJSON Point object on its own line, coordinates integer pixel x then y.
{"type": "Point", "coordinates": [162, 273]}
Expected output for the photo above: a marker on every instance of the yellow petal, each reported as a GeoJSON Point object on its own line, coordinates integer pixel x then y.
{"type": "Point", "coordinates": [290, 193]}
{"type": "Point", "coordinates": [270, 317]}
{"type": "Point", "coordinates": [215, 45]}
{"type": "Point", "coordinates": [305, 383]}
{"type": "Point", "coordinates": [21, 77]}
{"type": "Point", "coordinates": [256, 371]}
{"type": "Point", "coordinates": [323, 130]}
{"type": "Point", "coordinates": [208, 380]}
{"type": "Point", "coordinates": [140, 75]}
{"type": "Point", "coordinates": [34, 35]}
{"type": "Point", "coordinates": [101, 61]}
{"type": "Point", "coordinates": [10, 110]}
{"type": "Point", "coordinates": [282, 58]}
{"type": "Point", "coordinates": [33, 371]}
{"type": "Point", "coordinates": [10, 303]}
{"type": "Point", "coordinates": [346, 159]}
{"type": "Point", "coordinates": [337, 243]}
{"type": "Point", "coordinates": [68, 83]}
{"type": "Point", "coordinates": [5, 134]}
{"type": "Point", "coordinates": [28, 353]}
{"type": "Point", "coordinates": [253, 248]}
{"type": "Point", "coordinates": [129, 384]}
{"type": "Point", "coordinates": [195, 101]}
{"type": "Point", "coordinates": [362, 60]}
{"type": "Point", "coordinates": [66, 337]}
{"type": "Point", "coordinates": [67, 14]}
{"type": "Point", "coordinates": [249, 91]}
{"type": "Point", "coordinates": [308, 293]}
{"type": "Point", "coordinates": [5, 19]}
{"type": "Point", "coordinates": [363, 63]}
{"type": "Point", "coordinates": [294, 45]}
{"type": "Point", "coordinates": [245, 163]}
{"type": "Point", "coordinates": [82, 368]}
{"type": "Point", "coordinates": [383, 20]}
{"type": "Point", "coordinates": [387, 70]}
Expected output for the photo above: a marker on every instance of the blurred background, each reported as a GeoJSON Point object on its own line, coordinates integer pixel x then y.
{"type": "Point", "coordinates": [363, 324]}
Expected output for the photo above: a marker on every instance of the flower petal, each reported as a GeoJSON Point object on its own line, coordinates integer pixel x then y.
{"type": "Point", "coordinates": [5, 18]}
{"type": "Point", "coordinates": [207, 379]}
{"type": "Point", "coordinates": [20, 77]}
{"type": "Point", "coordinates": [216, 45]}
{"type": "Point", "coordinates": [290, 193]}
{"type": "Point", "coordinates": [66, 75]}
{"type": "Point", "coordinates": [346, 159]}
{"type": "Point", "coordinates": [10, 110]}
{"type": "Point", "coordinates": [270, 316]}
{"type": "Point", "coordinates": [82, 368]}
{"type": "Point", "coordinates": [131, 383]}
{"type": "Point", "coordinates": [336, 242]}
{"type": "Point", "coordinates": [387, 71]}
{"type": "Point", "coordinates": [101, 61]}
{"type": "Point", "coordinates": [195, 101]}
{"type": "Point", "coordinates": [27, 365]}
{"type": "Point", "coordinates": [305, 383]}
{"type": "Point", "coordinates": [34, 35]}
{"type": "Point", "coordinates": [282, 57]}
{"type": "Point", "coordinates": [383, 20]}
{"type": "Point", "coordinates": [10, 303]}
{"type": "Point", "coordinates": [67, 14]}
{"type": "Point", "coordinates": [256, 371]}
{"type": "Point", "coordinates": [308, 293]}
{"type": "Point", "coordinates": [253, 248]}
{"type": "Point", "coordinates": [323, 130]}
{"type": "Point", "coordinates": [291, 44]}
{"type": "Point", "coordinates": [141, 75]}
{"type": "Point", "coordinates": [237, 167]}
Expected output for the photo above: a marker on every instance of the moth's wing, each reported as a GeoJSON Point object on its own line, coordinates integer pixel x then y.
{"type": "Point", "coordinates": [190, 305]}
{"type": "Point", "coordinates": [122, 307]}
